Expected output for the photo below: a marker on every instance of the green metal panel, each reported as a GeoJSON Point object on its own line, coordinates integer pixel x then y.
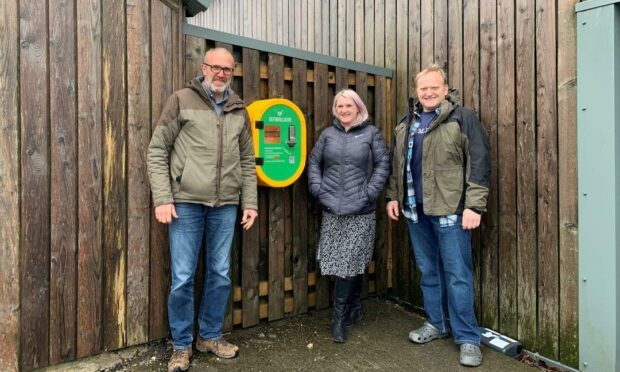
{"type": "Point", "coordinates": [246, 42]}
{"type": "Point", "coordinates": [598, 131]}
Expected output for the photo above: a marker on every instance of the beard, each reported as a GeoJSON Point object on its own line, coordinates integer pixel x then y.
{"type": "Point", "coordinates": [216, 88]}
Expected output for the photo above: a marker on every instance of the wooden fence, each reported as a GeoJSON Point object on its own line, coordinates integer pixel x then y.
{"type": "Point", "coordinates": [515, 63]}
{"type": "Point", "coordinates": [84, 265]}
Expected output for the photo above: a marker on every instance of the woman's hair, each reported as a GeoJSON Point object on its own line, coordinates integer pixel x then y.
{"type": "Point", "coordinates": [362, 116]}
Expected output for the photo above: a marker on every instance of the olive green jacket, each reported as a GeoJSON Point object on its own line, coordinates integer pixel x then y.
{"type": "Point", "coordinates": [455, 162]}
{"type": "Point", "coordinates": [196, 156]}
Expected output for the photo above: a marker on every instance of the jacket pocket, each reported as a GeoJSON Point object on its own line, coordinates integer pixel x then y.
{"type": "Point", "coordinates": [449, 187]}
{"type": "Point", "coordinates": [198, 179]}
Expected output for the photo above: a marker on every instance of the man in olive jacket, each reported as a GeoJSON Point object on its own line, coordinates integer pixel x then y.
{"type": "Point", "coordinates": [440, 181]}
{"type": "Point", "coordinates": [201, 166]}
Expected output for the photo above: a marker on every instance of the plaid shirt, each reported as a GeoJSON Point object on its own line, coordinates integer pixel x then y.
{"type": "Point", "coordinates": [410, 211]}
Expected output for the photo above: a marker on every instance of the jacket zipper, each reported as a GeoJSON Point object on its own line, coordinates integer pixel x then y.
{"type": "Point", "coordinates": [219, 161]}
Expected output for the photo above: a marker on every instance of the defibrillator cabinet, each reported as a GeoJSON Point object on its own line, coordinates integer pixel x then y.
{"type": "Point", "coordinates": [279, 133]}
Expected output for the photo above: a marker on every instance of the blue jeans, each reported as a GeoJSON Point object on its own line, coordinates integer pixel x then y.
{"type": "Point", "coordinates": [186, 235]}
{"type": "Point", "coordinates": [443, 255]}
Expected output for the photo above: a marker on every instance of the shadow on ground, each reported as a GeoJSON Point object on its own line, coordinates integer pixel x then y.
{"type": "Point", "coordinates": [378, 343]}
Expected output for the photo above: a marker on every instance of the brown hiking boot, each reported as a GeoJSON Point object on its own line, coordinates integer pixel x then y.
{"type": "Point", "coordinates": [179, 361]}
{"type": "Point", "coordinates": [219, 347]}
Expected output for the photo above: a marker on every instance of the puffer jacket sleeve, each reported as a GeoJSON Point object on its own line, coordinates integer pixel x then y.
{"type": "Point", "coordinates": [478, 169]}
{"type": "Point", "coordinates": [381, 166]}
{"type": "Point", "coordinates": [158, 153]}
{"type": "Point", "coordinates": [315, 164]}
{"type": "Point", "coordinates": [249, 193]}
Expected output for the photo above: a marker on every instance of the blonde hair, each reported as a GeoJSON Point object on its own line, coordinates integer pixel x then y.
{"type": "Point", "coordinates": [432, 68]}
{"type": "Point", "coordinates": [362, 115]}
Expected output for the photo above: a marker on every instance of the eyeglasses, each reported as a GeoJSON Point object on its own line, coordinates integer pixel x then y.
{"type": "Point", "coordinates": [217, 68]}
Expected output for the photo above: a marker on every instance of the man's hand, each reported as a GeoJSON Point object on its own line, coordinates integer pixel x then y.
{"type": "Point", "coordinates": [392, 209]}
{"type": "Point", "coordinates": [247, 220]}
{"type": "Point", "coordinates": [165, 212]}
{"type": "Point", "coordinates": [471, 219]}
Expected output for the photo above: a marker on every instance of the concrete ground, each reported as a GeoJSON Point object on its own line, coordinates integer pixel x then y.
{"type": "Point", "coordinates": [378, 343]}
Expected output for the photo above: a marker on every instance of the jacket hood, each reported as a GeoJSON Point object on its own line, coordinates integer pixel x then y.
{"type": "Point", "coordinates": [233, 102]}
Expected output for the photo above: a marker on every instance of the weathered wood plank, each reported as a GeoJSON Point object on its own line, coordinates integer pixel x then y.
{"type": "Point", "coordinates": [415, 47]}
{"type": "Point", "coordinates": [35, 178]}
{"type": "Point", "coordinates": [369, 31]}
{"type": "Point", "coordinates": [471, 100]}
{"type": "Point", "coordinates": [526, 170]}
{"type": "Point", "coordinates": [161, 87]}
{"type": "Point", "coordinates": [114, 91]}
{"type": "Point", "coordinates": [567, 155]}
{"type": "Point", "coordinates": [325, 22]}
{"type": "Point", "coordinates": [506, 170]}
{"type": "Point", "coordinates": [547, 161]}
{"type": "Point", "coordinates": [455, 44]}
{"type": "Point", "coordinates": [195, 49]}
{"type": "Point", "coordinates": [90, 212]}
{"type": "Point", "coordinates": [488, 116]}
{"type": "Point", "coordinates": [402, 64]}
{"type": "Point", "coordinates": [276, 210]}
{"type": "Point", "coordinates": [304, 25]}
{"type": "Point", "coordinates": [342, 79]}
{"type": "Point", "coordinates": [426, 26]}
{"type": "Point", "coordinates": [390, 34]}
{"type": "Point", "coordinates": [358, 30]}
{"type": "Point", "coordinates": [350, 29]}
{"type": "Point", "coordinates": [138, 198]}
{"type": "Point", "coordinates": [380, 33]}
{"type": "Point", "coordinates": [310, 6]}
{"type": "Point", "coordinates": [381, 243]}
{"type": "Point", "coordinates": [333, 28]}
{"type": "Point", "coordinates": [300, 200]}
{"type": "Point", "coordinates": [63, 153]}
{"type": "Point", "coordinates": [440, 30]}
{"type": "Point", "coordinates": [342, 28]}
{"type": "Point", "coordinates": [322, 115]}
{"type": "Point", "coordinates": [249, 276]}
{"type": "Point", "coordinates": [9, 186]}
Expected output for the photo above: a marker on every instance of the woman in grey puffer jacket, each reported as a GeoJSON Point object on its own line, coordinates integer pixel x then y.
{"type": "Point", "coordinates": [347, 170]}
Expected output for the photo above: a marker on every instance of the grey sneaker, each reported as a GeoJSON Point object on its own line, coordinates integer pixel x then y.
{"type": "Point", "coordinates": [470, 355]}
{"type": "Point", "coordinates": [426, 333]}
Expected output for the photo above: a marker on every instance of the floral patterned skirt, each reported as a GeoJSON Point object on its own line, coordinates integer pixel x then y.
{"type": "Point", "coordinates": [346, 244]}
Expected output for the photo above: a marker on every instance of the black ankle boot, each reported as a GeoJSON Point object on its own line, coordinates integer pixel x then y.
{"type": "Point", "coordinates": [354, 308]}
{"type": "Point", "coordinates": [342, 289]}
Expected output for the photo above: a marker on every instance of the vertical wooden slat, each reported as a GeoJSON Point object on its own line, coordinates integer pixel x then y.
{"type": "Point", "coordinates": [455, 44]}
{"type": "Point", "coordinates": [249, 276]}
{"type": "Point", "coordinates": [390, 34]}
{"type": "Point", "coordinates": [414, 44]}
{"type": "Point", "coordinates": [325, 24]}
{"type": "Point", "coordinates": [9, 185]}
{"type": "Point", "coordinates": [381, 244]}
{"type": "Point", "coordinates": [35, 177]}
{"type": "Point", "coordinates": [195, 49]}
{"type": "Point", "coordinates": [114, 175]}
{"type": "Point", "coordinates": [304, 25]}
{"type": "Point", "coordinates": [283, 33]}
{"type": "Point", "coordinates": [300, 197]}
{"type": "Point", "coordinates": [333, 28]}
{"type": "Point", "coordinates": [311, 22]}
{"type": "Point", "coordinates": [380, 33]}
{"type": "Point", "coordinates": [318, 27]}
{"type": "Point", "coordinates": [369, 31]}
{"type": "Point", "coordinates": [342, 79]}
{"type": "Point", "coordinates": [526, 171]}
{"type": "Point", "coordinates": [488, 116]}
{"type": "Point", "coordinates": [402, 63]}
{"type": "Point", "coordinates": [63, 270]}
{"type": "Point", "coordinates": [440, 30]}
{"type": "Point", "coordinates": [138, 198]}
{"type": "Point", "coordinates": [506, 170]}
{"type": "Point", "coordinates": [90, 212]}
{"type": "Point", "coordinates": [547, 160]}
{"type": "Point", "coordinates": [471, 100]}
{"type": "Point", "coordinates": [161, 88]}
{"type": "Point", "coordinates": [567, 178]}
{"type": "Point", "coordinates": [341, 34]}
{"type": "Point", "coordinates": [322, 114]}
{"type": "Point", "coordinates": [350, 29]}
{"type": "Point", "coordinates": [359, 30]}
{"type": "Point", "coordinates": [427, 23]}
{"type": "Point", "coordinates": [276, 211]}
